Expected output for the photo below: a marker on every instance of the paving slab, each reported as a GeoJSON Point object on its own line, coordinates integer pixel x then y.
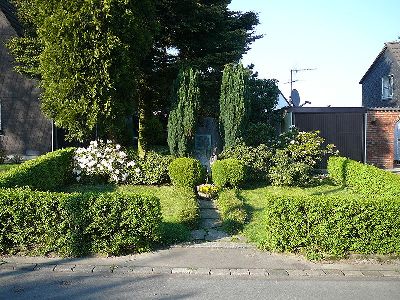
{"type": "Point", "coordinates": [209, 214]}
{"type": "Point", "coordinates": [353, 273]}
{"type": "Point", "coordinates": [333, 272]}
{"type": "Point", "coordinates": [199, 234]}
{"type": "Point", "coordinates": [390, 273]}
{"type": "Point", "coordinates": [206, 204]}
{"type": "Point", "coordinates": [315, 273]}
{"type": "Point", "coordinates": [210, 223]}
{"type": "Point", "coordinates": [181, 271]}
{"type": "Point", "coordinates": [214, 234]}
{"type": "Point", "coordinates": [240, 272]}
{"type": "Point", "coordinates": [201, 271]}
{"type": "Point", "coordinates": [278, 273]}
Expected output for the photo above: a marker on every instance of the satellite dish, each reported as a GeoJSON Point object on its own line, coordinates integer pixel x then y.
{"type": "Point", "coordinates": [295, 97]}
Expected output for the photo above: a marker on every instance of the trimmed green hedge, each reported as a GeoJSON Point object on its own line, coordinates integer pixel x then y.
{"type": "Point", "coordinates": [47, 172]}
{"type": "Point", "coordinates": [336, 169]}
{"type": "Point", "coordinates": [77, 224]}
{"type": "Point", "coordinates": [231, 209]}
{"type": "Point", "coordinates": [331, 225]}
{"type": "Point", "coordinates": [365, 179]}
{"type": "Point", "coordinates": [186, 172]}
{"type": "Point", "coordinates": [228, 172]}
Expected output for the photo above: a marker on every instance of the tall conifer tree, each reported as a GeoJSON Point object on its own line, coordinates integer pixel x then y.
{"type": "Point", "coordinates": [234, 104]}
{"type": "Point", "coordinates": [183, 116]}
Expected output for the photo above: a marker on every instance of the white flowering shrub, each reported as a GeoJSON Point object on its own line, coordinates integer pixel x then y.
{"type": "Point", "coordinates": [297, 155]}
{"type": "Point", "coordinates": [104, 162]}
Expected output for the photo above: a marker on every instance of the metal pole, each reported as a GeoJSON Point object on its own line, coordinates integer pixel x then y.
{"type": "Point", "coordinates": [291, 82]}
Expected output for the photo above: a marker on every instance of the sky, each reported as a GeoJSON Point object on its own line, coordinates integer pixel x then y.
{"type": "Point", "coordinates": [339, 39]}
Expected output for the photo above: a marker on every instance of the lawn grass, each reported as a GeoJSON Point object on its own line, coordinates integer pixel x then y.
{"type": "Point", "coordinates": [254, 199]}
{"type": "Point", "coordinates": [6, 167]}
{"type": "Point", "coordinates": [179, 207]}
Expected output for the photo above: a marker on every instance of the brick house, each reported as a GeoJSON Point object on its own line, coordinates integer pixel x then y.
{"type": "Point", "coordinates": [24, 130]}
{"type": "Point", "coordinates": [381, 95]}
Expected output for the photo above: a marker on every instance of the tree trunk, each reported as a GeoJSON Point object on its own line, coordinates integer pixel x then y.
{"type": "Point", "coordinates": [142, 143]}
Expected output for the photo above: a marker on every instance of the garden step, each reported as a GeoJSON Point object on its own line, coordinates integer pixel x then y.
{"type": "Point", "coordinates": [209, 214]}
{"type": "Point", "coordinates": [206, 204]}
{"type": "Point", "coordinates": [210, 223]}
{"type": "Point", "coordinates": [214, 234]}
{"type": "Point", "coordinates": [199, 234]}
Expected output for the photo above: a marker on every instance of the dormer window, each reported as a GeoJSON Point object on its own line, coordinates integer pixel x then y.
{"type": "Point", "coordinates": [387, 87]}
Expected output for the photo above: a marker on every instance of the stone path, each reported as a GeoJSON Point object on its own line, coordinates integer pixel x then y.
{"type": "Point", "coordinates": [210, 224]}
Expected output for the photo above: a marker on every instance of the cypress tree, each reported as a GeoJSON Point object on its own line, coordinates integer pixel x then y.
{"type": "Point", "coordinates": [234, 104]}
{"type": "Point", "coordinates": [183, 116]}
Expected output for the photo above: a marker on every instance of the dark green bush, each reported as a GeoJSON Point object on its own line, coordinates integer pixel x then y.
{"type": "Point", "coordinates": [124, 223]}
{"type": "Point", "coordinates": [257, 160]}
{"type": "Point", "coordinates": [332, 225]}
{"type": "Point", "coordinates": [186, 172]}
{"type": "Point", "coordinates": [154, 132]}
{"type": "Point", "coordinates": [228, 173]}
{"type": "Point", "coordinates": [364, 179]}
{"type": "Point", "coordinates": [259, 133]}
{"type": "Point", "coordinates": [47, 172]}
{"type": "Point", "coordinates": [77, 224]}
{"type": "Point", "coordinates": [231, 209]}
{"type": "Point", "coordinates": [153, 167]}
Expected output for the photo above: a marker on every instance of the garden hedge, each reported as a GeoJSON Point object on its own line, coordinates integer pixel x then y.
{"type": "Point", "coordinates": [364, 179]}
{"type": "Point", "coordinates": [46, 173]}
{"type": "Point", "coordinates": [186, 172]}
{"type": "Point", "coordinates": [232, 211]}
{"type": "Point", "coordinates": [228, 172]}
{"type": "Point", "coordinates": [77, 224]}
{"type": "Point", "coordinates": [331, 225]}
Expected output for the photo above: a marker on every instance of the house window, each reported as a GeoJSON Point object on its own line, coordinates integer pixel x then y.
{"type": "Point", "coordinates": [387, 87]}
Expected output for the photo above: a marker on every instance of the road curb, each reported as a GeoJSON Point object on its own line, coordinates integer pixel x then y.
{"type": "Point", "coordinates": [14, 268]}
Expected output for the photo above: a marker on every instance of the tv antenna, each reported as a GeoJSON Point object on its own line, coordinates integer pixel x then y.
{"type": "Point", "coordinates": [296, 71]}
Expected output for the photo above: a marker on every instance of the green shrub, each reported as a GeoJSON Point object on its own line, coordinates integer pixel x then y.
{"type": "Point", "coordinates": [153, 167]}
{"type": "Point", "coordinates": [364, 179]}
{"type": "Point", "coordinates": [188, 210]}
{"type": "Point", "coordinates": [228, 173]}
{"type": "Point", "coordinates": [231, 209]}
{"type": "Point", "coordinates": [333, 225]}
{"type": "Point", "coordinates": [77, 224]}
{"type": "Point", "coordinates": [259, 133]}
{"type": "Point", "coordinates": [257, 160]}
{"type": "Point", "coordinates": [154, 132]}
{"type": "Point", "coordinates": [186, 172]}
{"type": "Point", "coordinates": [336, 169]}
{"type": "Point", "coordinates": [47, 172]}
{"type": "Point", "coordinates": [286, 172]}
{"type": "Point", "coordinates": [124, 223]}
{"type": "Point", "coordinates": [297, 155]}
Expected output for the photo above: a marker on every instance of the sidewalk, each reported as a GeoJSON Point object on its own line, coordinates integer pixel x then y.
{"type": "Point", "coordinates": [219, 258]}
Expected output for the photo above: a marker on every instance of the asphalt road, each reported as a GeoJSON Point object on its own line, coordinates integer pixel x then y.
{"type": "Point", "coordinates": [51, 285]}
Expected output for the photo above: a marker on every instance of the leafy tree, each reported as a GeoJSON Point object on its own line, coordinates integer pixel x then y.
{"type": "Point", "coordinates": [263, 97]}
{"type": "Point", "coordinates": [87, 56]}
{"type": "Point", "coordinates": [205, 35]}
{"type": "Point", "coordinates": [182, 118]}
{"type": "Point", "coordinates": [94, 58]}
{"type": "Point", "coordinates": [234, 104]}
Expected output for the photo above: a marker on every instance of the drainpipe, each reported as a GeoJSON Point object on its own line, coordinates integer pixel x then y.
{"type": "Point", "coordinates": [365, 136]}
{"type": "Point", "coordinates": [52, 135]}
